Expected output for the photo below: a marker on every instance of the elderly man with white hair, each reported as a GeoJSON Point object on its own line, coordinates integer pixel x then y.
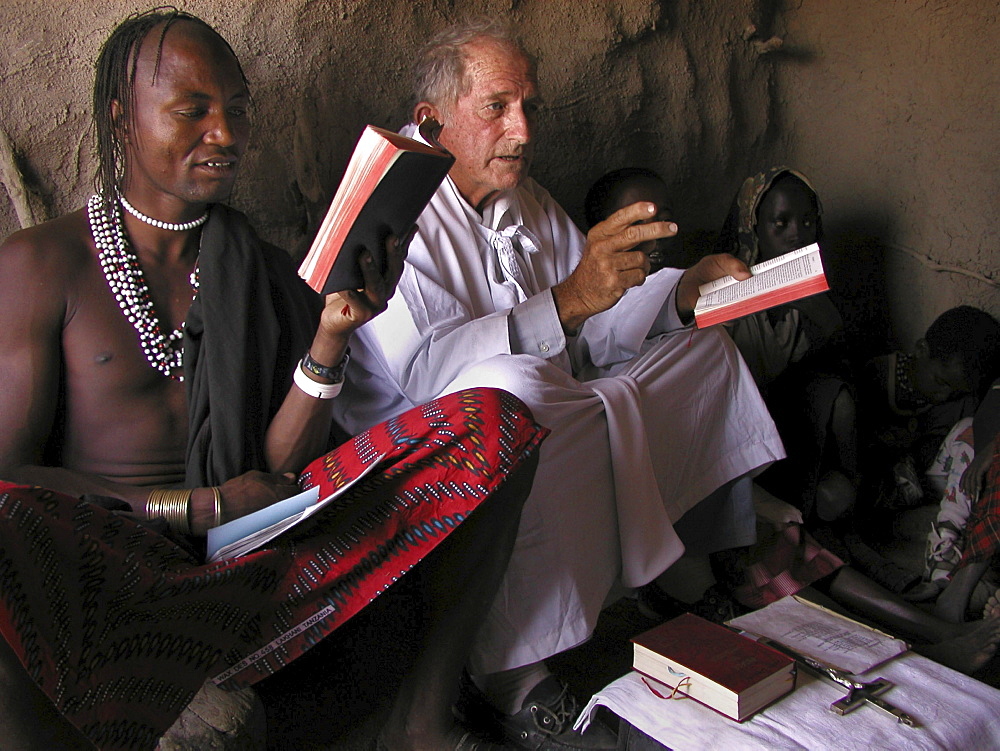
{"type": "Point", "coordinates": [656, 427]}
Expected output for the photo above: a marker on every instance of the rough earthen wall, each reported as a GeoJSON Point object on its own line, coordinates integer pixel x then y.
{"type": "Point", "coordinates": [892, 106]}
{"type": "Point", "coordinates": [889, 106]}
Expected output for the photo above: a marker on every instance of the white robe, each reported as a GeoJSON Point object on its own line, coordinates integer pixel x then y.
{"type": "Point", "coordinates": [643, 426]}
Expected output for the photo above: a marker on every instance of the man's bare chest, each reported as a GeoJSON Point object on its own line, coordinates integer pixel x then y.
{"type": "Point", "coordinates": [104, 362]}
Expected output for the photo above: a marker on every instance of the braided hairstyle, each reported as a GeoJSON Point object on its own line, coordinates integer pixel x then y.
{"type": "Point", "coordinates": [115, 81]}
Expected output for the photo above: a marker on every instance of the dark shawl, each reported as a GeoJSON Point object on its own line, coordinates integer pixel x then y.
{"type": "Point", "coordinates": [252, 320]}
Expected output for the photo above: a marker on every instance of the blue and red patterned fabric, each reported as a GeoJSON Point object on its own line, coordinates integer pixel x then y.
{"type": "Point", "coordinates": [982, 532]}
{"type": "Point", "coordinates": [120, 626]}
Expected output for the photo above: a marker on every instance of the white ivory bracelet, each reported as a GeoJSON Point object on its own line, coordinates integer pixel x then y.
{"type": "Point", "coordinates": [316, 390]}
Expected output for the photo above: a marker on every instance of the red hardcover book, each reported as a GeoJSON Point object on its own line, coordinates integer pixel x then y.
{"type": "Point", "coordinates": [713, 665]}
{"type": "Point", "coordinates": [388, 182]}
{"type": "Point", "coordinates": [781, 280]}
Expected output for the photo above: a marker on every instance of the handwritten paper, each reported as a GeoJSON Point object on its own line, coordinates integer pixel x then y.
{"type": "Point", "coordinates": [816, 632]}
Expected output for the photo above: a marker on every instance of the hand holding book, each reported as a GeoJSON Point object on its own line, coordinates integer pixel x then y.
{"type": "Point", "coordinates": [248, 533]}
{"type": "Point", "coordinates": [708, 270]}
{"type": "Point", "coordinates": [388, 182]}
{"type": "Point", "coordinates": [780, 280]}
{"type": "Point", "coordinates": [349, 309]}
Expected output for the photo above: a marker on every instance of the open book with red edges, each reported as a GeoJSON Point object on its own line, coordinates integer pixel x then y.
{"type": "Point", "coordinates": [388, 182]}
{"type": "Point", "coordinates": [713, 665]}
{"type": "Point", "coordinates": [789, 277]}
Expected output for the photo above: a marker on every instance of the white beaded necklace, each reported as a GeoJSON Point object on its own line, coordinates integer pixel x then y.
{"type": "Point", "coordinates": [180, 227]}
{"type": "Point", "coordinates": [127, 283]}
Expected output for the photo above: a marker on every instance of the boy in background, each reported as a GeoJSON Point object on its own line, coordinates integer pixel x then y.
{"type": "Point", "coordinates": [623, 187]}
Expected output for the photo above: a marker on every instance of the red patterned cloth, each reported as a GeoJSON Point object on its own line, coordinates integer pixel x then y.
{"type": "Point", "coordinates": [982, 532]}
{"type": "Point", "coordinates": [783, 563]}
{"type": "Point", "coordinates": [120, 626]}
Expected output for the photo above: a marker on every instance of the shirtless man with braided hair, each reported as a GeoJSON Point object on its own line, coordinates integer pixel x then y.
{"type": "Point", "coordinates": [102, 406]}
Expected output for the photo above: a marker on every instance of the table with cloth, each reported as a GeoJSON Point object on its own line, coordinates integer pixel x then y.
{"type": "Point", "coordinates": [953, 711]}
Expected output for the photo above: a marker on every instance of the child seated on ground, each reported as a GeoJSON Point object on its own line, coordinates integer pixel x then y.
{"type": "Point", "coordinates": [796, 352]}
{"type": "Point", "coordinates": [958, 473]}
{"type": "Point", "coordinates": [910, 402]}
{"type": "Point", "coordinates": [982, 544]}
{"type": "Point", "coordinates": [623, 187]}
{"type": "Point", "coordinates": [786, 559]}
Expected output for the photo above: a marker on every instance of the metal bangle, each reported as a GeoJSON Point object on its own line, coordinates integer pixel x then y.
{"type": "Point", "coordinates": [217, 500]}
{"type": "Point", "coordinates": [173, 505]}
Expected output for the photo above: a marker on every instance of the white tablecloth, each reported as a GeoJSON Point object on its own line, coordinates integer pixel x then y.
{"type": "Point", "coordinates": [953, 710]}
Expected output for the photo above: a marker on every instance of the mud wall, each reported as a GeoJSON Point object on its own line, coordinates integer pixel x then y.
{"type": "Point", "coordinates": [892, 106]}
{"type": "Point", "coordinates": [889, 106]}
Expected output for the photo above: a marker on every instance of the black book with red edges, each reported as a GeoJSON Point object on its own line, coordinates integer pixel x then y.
{"type": "Point", "coordinates": [388, 183]}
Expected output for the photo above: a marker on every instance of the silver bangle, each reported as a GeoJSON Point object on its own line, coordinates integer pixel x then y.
{"type": "Point", "coordinates": [216, 506]}
{"type": "Point", "coordinates": [311, 388]}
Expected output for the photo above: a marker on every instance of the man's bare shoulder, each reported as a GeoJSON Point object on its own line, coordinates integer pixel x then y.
{"type": "Point", "coordinates": [65, 240]}
{"type": "Point", "coordinates": [48, 256]}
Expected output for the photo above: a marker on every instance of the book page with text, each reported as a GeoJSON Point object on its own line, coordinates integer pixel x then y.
{"type": "Point", "coordinates": [762, 281]}
{"type": "Point", "coordinates": [821, 634]}
{"type": "Point", "coordinates": [772, 279]}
